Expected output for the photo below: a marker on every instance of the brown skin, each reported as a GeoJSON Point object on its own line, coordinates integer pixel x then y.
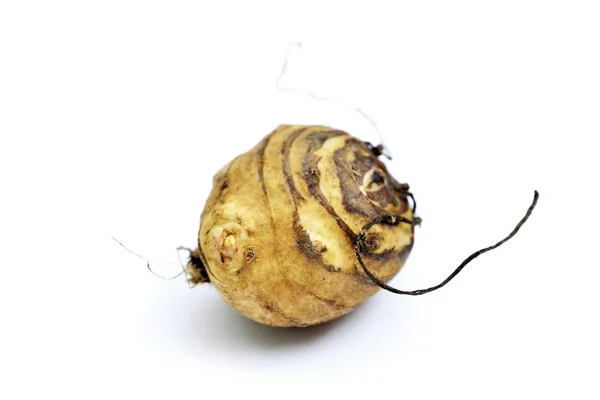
{"type": "Point", "coordinates": [278, 232]}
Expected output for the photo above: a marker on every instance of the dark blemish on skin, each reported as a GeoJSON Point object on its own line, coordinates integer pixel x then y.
{"type": "Point", "coordinates": [352, 176]}
{"type": "Point", "coordinates": [225, 181]}
{"type": "Point", "coordinates": [261, 178]}
{"type": "Point", "coordinates": [375, 150]}
{"type": "Point", "coordinates": [287, 169]}
{"type": "Point", "coordinates": [331, 303]}
{"type": "Point", "coordinates": [261, 164]}
{"type": "Point", "coordinates": [305, 245]}
{"type": "Point", "coordinates": [319, 246]}
{"type": "Point", "coordinates": [372, 242]}
{"type": "Point", "coordinates": [312, 177]}
{"type": "Point", "coordinates": [250, 255]}
{"type": "Point", "coordinates": [378, 179]}
{"type": "Point", "coordinates": [198, 266]}
{"type": "Point", "coordinates": [270, 307]}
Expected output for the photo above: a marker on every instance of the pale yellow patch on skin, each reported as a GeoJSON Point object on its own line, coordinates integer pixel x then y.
{"type": "Point", "coordinates": [321, 228]}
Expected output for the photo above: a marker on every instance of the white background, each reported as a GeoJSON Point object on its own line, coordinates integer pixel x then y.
{"type": "Point", "coordinates": [115, 115]}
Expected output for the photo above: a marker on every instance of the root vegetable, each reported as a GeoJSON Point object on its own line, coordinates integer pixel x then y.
{"type": "Point", "coordinates": [278, 232]}
{"type": "Point", "coordinates": [290, 226]}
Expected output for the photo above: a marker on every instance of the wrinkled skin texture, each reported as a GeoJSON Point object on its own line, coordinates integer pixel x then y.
{"type": "Point", "coordinates": [278, 231]}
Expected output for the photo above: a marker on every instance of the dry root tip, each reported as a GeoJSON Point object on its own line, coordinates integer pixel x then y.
{"type": "Point", "coordinates": [377, 150]}
{"type": "Point", "coordinates": [195, 269]}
